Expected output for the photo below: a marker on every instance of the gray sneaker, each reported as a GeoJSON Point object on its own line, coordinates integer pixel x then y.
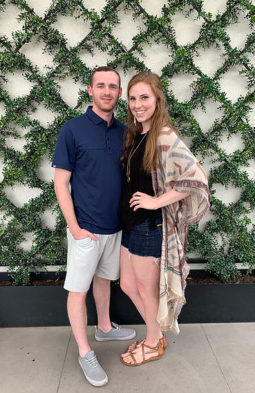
{"type": "Point", "coordinates": [116, 333]}
{"type": "Point", "coordinates": [92, 369]}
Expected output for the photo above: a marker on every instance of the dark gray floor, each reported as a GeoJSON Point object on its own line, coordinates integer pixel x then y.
{"type": "Point", "coordinates": [204, 358]}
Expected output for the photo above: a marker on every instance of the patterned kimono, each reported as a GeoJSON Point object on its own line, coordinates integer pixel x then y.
{"type": "Point", "coordinates": [177, 169]}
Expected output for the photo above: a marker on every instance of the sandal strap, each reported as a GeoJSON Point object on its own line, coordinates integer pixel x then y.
{"type": "Point", "coordinates": [143, 352]}
{"type": "Point", "coordinates": [137, 344]}
{"type": "Point", "coordinates": [133, 358]}
{"type": "Point", "coordinates": [163, 341]}
{"type": "Point", "coordinates": [140, 343]}
{"type": "Point", "coordinates": [158, 348]}
{"type": "Point", "coordinates": [133, 345]}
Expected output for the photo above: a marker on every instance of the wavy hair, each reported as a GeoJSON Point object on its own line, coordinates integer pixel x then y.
{"type": "Point", "coordinates": [159, 119]}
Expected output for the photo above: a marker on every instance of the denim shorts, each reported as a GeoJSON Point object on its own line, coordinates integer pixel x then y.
{"type": "Point", "coordinates": [142, 240]}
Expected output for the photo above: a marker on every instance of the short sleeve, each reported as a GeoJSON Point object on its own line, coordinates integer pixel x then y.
{"type": "Point", "coordinates": [64, 156]}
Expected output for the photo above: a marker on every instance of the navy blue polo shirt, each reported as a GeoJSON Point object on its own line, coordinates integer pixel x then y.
{"type": "Point", "coordinates": [91, 150]}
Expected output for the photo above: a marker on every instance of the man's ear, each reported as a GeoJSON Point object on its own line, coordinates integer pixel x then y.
{"type": "Point", "coordinates": [120, 92]}
{"type": "Point", "coordinates": [90, 90]}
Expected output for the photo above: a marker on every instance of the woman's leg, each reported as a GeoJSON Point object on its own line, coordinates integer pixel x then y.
{"type": "Point", "coordinates": [146, 275]}
{"type": "Point", "coordinates": [147, 278]}
{"type": "Point", "coordinates": [128, 280]}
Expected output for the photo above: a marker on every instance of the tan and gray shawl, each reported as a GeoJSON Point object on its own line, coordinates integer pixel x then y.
{"type": "Point", "coordinates": [177, 169]}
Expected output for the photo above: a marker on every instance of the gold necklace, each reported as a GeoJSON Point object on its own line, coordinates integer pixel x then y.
{"type": "Point", "coordinates": [131, 153]}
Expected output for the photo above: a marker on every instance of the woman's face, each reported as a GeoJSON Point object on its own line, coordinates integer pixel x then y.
{"type": "Point", "coordinates": [142, 103]}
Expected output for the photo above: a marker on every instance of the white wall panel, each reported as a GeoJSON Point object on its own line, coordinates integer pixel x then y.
{"type": "Point", "coordinates": [187, 29]}
{"type": "Point", "coordinates": [206, 117]}
{"type": "Point", "coordinates": [45, 172]}
{"type": "Point", "coordinates": [74, 30]}
{"type": "Point", "coordinates": [40, 7]}
{"type": "Point", "coordinates": [215, 7]}
{"type": "Point", "coordinates": [127, 28]}
{"type": "Point", "coordinates": [20, 194]}
{"type": "Point", "coordinates": [233, 84]}
{"type": "Point", "coordinates": [17, 85]}
{"type": "Point", "coordinates": [9, 21]}
{"type": "Point", "coordinates": [95, 5]}
{"type": "Point", "coordinates": [209, 60]}
{"type": "Point", "coordinates": [153, 7]}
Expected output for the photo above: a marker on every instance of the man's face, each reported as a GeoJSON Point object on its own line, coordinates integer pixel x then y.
{"type": "Point", "coordinates": [105, 91]}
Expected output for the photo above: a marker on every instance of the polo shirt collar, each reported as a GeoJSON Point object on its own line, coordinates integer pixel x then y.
{"type": "Point", "coordinates": [97, 119]}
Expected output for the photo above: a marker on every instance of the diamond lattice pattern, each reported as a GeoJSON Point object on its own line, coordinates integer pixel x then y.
{"type": "Point", "coordinates": [204, 54]}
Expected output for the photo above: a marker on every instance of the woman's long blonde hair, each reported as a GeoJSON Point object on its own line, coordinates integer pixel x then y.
{"type": "Point", "coordinates": [159, 119]}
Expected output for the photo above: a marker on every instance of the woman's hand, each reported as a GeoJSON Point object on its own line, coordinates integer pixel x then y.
{"type": "Point", "coordinates": [144, 201]}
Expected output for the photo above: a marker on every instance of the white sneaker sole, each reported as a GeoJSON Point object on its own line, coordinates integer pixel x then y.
{"type": "Point", "coordinates": [116, 339]}
{"type": "Point", "coordinates": [91, 381]}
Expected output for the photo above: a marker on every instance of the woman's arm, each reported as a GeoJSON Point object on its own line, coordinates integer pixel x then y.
{"type": "Point", "coordinates": [145, 201]}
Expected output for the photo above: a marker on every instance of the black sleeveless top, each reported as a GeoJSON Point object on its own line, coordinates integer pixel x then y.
{"type": "Point", "coordinates": [139, 181]}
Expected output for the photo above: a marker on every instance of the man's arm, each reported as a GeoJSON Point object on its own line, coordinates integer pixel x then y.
{"type": "Point", "coordinates": [61, 186]}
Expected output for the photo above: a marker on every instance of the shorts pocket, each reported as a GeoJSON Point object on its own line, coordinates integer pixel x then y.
{"type": "Point", "coordinates": [84, 241]}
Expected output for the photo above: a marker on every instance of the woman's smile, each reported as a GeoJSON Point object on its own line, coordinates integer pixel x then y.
{"type": "Point", "coordinates": [142, 103]}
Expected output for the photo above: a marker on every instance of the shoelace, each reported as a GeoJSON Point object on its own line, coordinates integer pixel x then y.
{"type": "Point", "coordinates": [93, 361]}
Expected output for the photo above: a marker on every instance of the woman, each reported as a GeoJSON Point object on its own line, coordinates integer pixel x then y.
{"type": "Point", "coordinates": [164, 191]}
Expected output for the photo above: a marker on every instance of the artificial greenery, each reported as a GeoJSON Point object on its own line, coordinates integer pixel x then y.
{"type": "Point", "coordinates": [226, 239]}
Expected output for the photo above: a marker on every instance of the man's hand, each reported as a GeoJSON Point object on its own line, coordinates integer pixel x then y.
{"type": "Point", "coordinates": [79, 234]}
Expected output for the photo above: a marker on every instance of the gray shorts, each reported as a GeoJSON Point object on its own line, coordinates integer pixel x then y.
{"type": "Point", "coordinates": [87, 257]}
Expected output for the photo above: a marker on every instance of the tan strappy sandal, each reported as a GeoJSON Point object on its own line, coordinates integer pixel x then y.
{"type": "Point", "coordinates": [146, 349]}
{"type": "Point", "coordinates": [163, 341]}
{"type": "Point", "coordinates": [132, 347]}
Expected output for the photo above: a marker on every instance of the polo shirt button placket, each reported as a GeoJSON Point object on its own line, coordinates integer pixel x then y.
{"type": "Point", "coordinates": [108, 143]}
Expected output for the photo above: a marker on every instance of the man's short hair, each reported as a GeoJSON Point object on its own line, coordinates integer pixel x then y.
{"type": "Point", "coordinates": [105, 69]}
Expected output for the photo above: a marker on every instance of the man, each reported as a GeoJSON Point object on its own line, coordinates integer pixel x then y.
{"type": "Point", "coordinates": [87, 156]}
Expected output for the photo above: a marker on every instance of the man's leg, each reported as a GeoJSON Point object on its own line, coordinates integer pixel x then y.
{"type": "Point", "coordinates": [77, 313]}
{"type": "Point", "coordinates": [102, 292]}
{"type": "Point", "coordinates": [81, 264]}
{"type": "Point", "coordinates": [107, 270]}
